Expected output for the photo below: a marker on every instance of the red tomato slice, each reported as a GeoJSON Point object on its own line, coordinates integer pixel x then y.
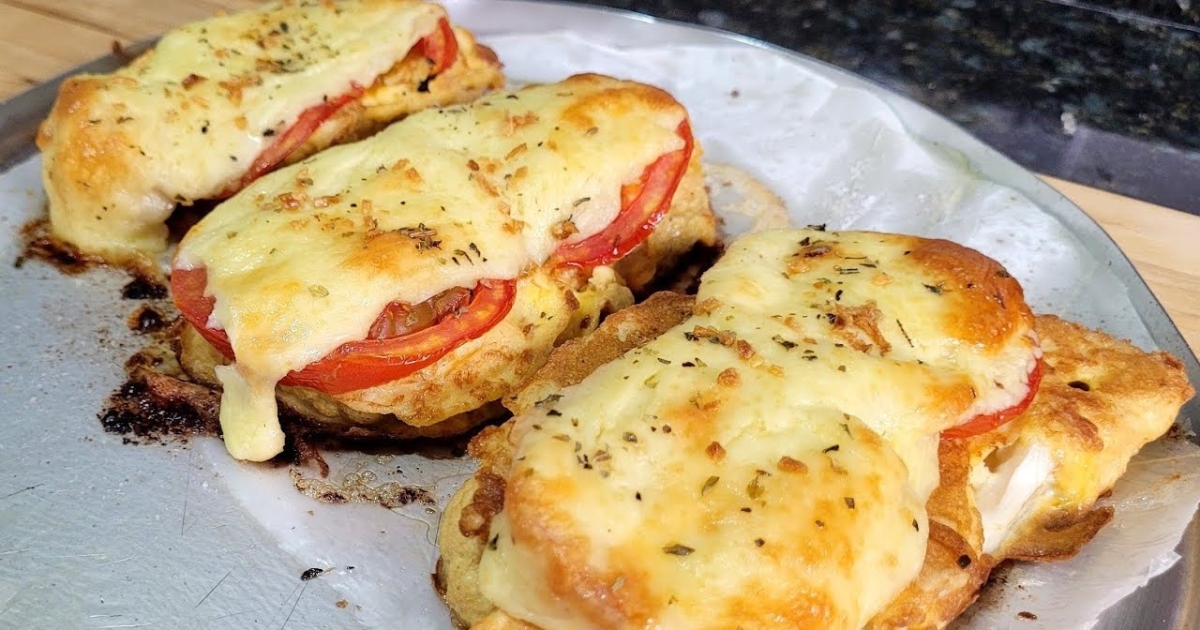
{"type": "Point", "coordinates": [187, 290]}
{"type": "Point", "coordinates": [292, 139]}
{"type": "Point", "coordinates": [399, 319]}
{"type": "Point", "coordinates": [987, 422]}
{"type": "Point", "coordinates": [643, 204]}
{"type": "Point", "coordinates": [377, 359]}
{"type": "Point", "coordinates": [440, 47]}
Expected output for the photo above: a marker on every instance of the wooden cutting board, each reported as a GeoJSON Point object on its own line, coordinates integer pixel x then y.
{"type": "Point", "coordinates": [42, 38]}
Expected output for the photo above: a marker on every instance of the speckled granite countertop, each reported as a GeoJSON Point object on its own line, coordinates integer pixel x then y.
{"type": "Point", "coordinates": [1105, 93]}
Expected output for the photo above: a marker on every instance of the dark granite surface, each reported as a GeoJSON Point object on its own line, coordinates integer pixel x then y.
{"type": "Point", "coordinates": [1105, 93]}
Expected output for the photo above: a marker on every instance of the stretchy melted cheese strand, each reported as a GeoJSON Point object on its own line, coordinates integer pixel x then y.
{"type": "Point", "coordinates": [305, 259]}
{"type": "Point", "coordinates": [766, 463]}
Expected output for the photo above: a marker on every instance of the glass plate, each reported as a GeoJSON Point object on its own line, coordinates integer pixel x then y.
{"type": "Point", "coordinates": [95, 533]}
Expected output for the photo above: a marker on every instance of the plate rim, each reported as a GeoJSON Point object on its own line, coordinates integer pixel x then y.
{"type": "Point", "coordinates": [21, 114]}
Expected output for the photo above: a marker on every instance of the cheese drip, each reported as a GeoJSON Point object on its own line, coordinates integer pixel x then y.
{"type": "Point", "coordinates": [306, 258]}
{"type": "Point", "coordinates": [766, 463]}
{"type": "Point", "coordinates": [204, 103]}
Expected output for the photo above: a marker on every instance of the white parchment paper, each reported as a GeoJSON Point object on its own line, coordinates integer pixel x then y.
{"type": "Point", "coordinates": [837, 156]}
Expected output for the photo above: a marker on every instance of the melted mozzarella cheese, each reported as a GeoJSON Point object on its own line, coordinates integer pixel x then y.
{"type": "Point", "coordinates": [1005, 491]}
{"type": "Point", "coordinates": [662, 510]}
{"type": "Point", "coordinates": [767, 462]}
{"type": "Point", "coordinates": [204, 104]}
{"type": "Point", "coordinates": [306, 258]}
{"type": "Point", "coordinates": [943, 331]}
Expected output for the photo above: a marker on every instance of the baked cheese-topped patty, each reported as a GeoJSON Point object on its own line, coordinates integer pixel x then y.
{"type": "Point", "coordinates": [766, 463]}
{"type": "Point", "coordinates": [218, 102]}
{"type": "Point", "coordinates": [1100, 400]}
{"type": "Point", "coordinates": [369, 261]}
{"type": "Point", "coordinates": [1028, 490]}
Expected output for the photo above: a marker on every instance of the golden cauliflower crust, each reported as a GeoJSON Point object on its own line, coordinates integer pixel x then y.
{"type": "Point", "coordinates": [1131, 397]}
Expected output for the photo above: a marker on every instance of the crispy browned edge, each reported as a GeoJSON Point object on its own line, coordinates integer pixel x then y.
{"type": "Point", "coordinates": [1101, 399]}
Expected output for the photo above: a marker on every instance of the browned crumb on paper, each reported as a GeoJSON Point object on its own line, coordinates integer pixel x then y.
{"type": "Point", "coordinates": [155, 407]}
{"type": "Point", "coordinates": [159, 404]}
{"type": "Point", "coordinates": [359, 489]}
{"type": "Point", "coordinates": [148, 319]}
{"type": "Point", "coordinates": [144, 288]}
{"type": "Point", "coordinates": [39, 244]}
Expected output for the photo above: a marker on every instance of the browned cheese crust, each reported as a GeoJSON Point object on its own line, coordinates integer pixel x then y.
{"type": "Point", "coordinates": [468, 517]}
{"type": "Point", "coordinates": [553, 303]}
{"type": "Point", "coordinates": [109, 198]}
{"type": "Point", "coordinates": [1101, 399]}
{"type": "Point", "coordinates": [457, 392]}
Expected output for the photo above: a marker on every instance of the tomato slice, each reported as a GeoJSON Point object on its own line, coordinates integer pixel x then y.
{"type": "Point", "coordinates": [399, 318]}
{"type": "Point", "coordinates": [453, 318]}
{"type": "Point", "coordinates": [986, 422]}
{"type": "Point", "coordinates": [440, 47]}
{"type": "Point", "coordinates": [292, 139]}
{"type": "Point", "coordinates": [362, 364]}
{"type": "Point", "coordinates": [643, 204]}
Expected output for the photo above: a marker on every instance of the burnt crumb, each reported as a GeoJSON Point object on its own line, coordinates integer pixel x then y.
{"type": "Point", "coordinates": [143, 288]}
{"type": "Point", "coordinates": [148, 319]}
{"type": "Point", "coordinates": [964, 561]}
{"type": "Point", "coordinates": [1024, 614]}
{"type": "Point", "coordinates": [311, 574]}
{"type": "Point", "coordinates": [40, 244]}
{"type": "Point", "coordinates": [999, 576]}
{"type": "Point", "coordinates": [142, 413]}
{"type": "Point", "coordinates": [389, 494]}
{"type": "Point", "coordinates": [304, 451]}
